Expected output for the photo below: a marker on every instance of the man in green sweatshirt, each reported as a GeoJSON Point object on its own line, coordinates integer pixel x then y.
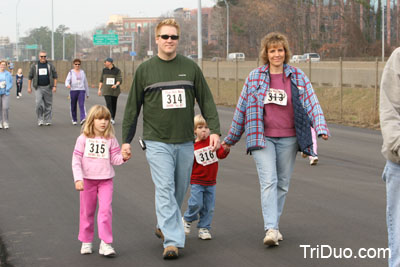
{"type": "Point", "coordinates": [167, 86]}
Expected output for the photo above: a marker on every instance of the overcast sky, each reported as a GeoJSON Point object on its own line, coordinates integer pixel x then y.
{"type": "Point", "coordinates": [81, 15]}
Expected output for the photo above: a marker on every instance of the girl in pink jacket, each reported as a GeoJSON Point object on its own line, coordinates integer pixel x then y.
{"type": "Point", "coordinates": [96, 150]}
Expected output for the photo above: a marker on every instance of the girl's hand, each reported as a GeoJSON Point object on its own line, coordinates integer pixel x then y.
{"type": "Point", "coordinates": [69, 86]}
{"type": "Point", "coordinates": [79, 185]}
{"type": "Point", "coordinates": [324, 136]}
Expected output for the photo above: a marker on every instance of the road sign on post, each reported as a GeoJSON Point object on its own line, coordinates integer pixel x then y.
{"type": "Point", "coordinates": [105, 39]}
{"type": "Point", "coordinates": [31, 47]}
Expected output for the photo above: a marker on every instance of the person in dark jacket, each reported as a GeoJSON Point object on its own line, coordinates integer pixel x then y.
{"type": "Point", "coordinates": [43, 77]}
{"type": "Point", "coordinates": [109, 86]}
{"type": "Point", "coordinates": [276, 109]}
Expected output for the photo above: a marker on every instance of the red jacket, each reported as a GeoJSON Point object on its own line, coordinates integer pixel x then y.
{"type": "Point", "coordinates": [206, 175]}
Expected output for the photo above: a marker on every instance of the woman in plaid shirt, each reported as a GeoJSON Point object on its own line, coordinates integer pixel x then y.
{"type": "Point", "coordinates": [276, 108]}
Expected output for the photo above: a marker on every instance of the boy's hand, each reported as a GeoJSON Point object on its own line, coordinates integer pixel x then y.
{"type": "Point", "coordinates": [227, 148]}
{"type": "Point", "coordinates": [79, 185]}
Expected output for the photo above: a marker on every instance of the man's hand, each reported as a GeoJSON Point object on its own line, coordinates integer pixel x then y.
{"type": "Point", "coordinates": [114, 86]}
{"type": "Point", "coordinates": [79, 185]}
{"type": "Point", "coordinates": [29, 90]}
{"type": "Point", "coordinates": [214, 142]}
{"type": "Point", "coordinates": [99, 92]}
{"type": "Point", "coordinates": [54, 89]}
{"type": "Point", "coordinates": [126, 151]}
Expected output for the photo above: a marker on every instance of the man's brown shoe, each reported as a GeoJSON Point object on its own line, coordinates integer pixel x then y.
{"type": "Point", "coordinates": [159, 234]}
{"type": "Point", "coordinates": [170, 253]}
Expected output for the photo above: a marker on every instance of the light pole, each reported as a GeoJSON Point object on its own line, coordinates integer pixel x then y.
{"type": "Point", "coordinates": [75, 47]}
{"type": "Point", "coordinates": [17, 34]}
{"type": "Point", "coordinates": [52, 30]}
{"type": "Point", "coordinates": [199, 30]}
{"type": "Point", "coordinates": [227, 29]}
{"type": "Point", "coordinates": [63, 46]}
{"type": "Point", "coordinates": [383, 31]}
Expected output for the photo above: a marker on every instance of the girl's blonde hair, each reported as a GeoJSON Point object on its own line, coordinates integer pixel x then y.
{"type": "Point", "coordinates": [199, 120]}
{"type": "Point", "coordinates": [97, 112]}
{"type": "Point", "coordinates": [271, 40]}
{"type": "Point", "coordinates": [18, 71]}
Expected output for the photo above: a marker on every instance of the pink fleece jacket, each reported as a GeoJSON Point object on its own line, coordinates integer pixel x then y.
{"type": "Point", "coordinates": [92, 167]}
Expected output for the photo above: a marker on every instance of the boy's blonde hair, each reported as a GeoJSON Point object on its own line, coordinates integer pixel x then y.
{"type": "Point", "coordinates": [98, 112]}
{"type": "Point", "coordinates": [199, 120]}
{"type": "Point", "coordinates": [19, 70]}
{"type": "Point", "coordinates": [168, 22]}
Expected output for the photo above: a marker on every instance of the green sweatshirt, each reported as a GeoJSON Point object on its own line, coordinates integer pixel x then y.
{"type": "Point", "coordinates": [178, 83]}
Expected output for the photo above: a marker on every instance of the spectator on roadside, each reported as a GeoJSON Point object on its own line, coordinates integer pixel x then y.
{"type": "Point", "coordinates": [5, 87]}
{"type": "Point", "coordinates": [276, 109]}
{"type": "Point", "coordinates": [109, 86]}
{"type": "Point", "coordinates": [167, 86]}
{"type": "Point", "coordinates": [79, 90]}
{"type": "Point", "coordinates": [390, 127]}
{"type": "Point", "coordinates": [43, 77]}
{"type": "Point", "coordinates": [19, 80]}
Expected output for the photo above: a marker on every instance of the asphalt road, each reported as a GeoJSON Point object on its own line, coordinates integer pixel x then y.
{"type": "Point", "coordinates": [340, 202]}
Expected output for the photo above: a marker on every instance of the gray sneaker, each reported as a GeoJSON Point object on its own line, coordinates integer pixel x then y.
{"type": "Point", "coordinates": [204, 234]}
{"type": "Point", "coordinates": [271, 238]}
{"type": "Point", "coordinates": [40, 122]}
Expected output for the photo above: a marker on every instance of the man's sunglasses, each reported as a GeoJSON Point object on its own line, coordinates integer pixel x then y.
{"type": "Point", "coordinates": [77, 64]}
{"type": "Point", "coordinates": [166, 37]}
{"type": "Point", "coordinates": [43, 56]}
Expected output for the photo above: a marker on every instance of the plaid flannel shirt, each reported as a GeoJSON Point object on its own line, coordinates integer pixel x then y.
{"type": "Point", "coordinates": [249, 111]}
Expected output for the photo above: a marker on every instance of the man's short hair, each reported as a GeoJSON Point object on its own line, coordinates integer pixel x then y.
{"type": "Point", "coordinates": [168, 22]}
{"type": "Point", "coordinates": [42, 51]}
{"type": "Point", "coordinates": [273, 39]}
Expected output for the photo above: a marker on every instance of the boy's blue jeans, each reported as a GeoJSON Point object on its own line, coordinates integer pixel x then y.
{"type": "Point", "coordinates": [201, 204]}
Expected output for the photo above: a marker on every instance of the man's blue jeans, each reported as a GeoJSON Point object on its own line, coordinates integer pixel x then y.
{"type": "Point", "coordinates": [391, 175]}
{"type": "Point", "coordinates": [275, 165]}
{"type": "Point", "coordinates": [201, 203]}
{"type": "Point", "coordinates": [171, 167]}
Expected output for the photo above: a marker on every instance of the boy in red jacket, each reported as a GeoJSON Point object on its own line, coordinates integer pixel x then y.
{"type": "Point", "coordinates": [203, 180]}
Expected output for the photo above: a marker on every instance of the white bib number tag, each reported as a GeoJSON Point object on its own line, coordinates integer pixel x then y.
{"type": "Point", "coordinates": [96, 148]}
{"type": "Point", "coordinates": [3, 84]}
{"type": "Point", "coordinates": [110, 81]}
{"type": "Point", "coordinates": [43, 71]}
{"type": "Point", "coordinates": [276, 96]}
{"type": "Point", "coordinates": [174, 98]}
{"type": "Point", "coordinates": [204, 156]}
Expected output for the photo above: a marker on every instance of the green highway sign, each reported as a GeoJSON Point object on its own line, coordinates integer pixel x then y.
{"type": "Point", "coordinates": [105, 39]}
{"type": "Point", "coordinates": [32, 47]}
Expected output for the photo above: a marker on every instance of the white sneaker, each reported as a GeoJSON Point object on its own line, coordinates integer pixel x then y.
{"type": "Point", "coordinates": [74, 123]}
{"type": "Point", "coordinates": [83, 121]}
{"type": "Point", "coordinates": [19, 94]}
{"type": "Point", "coordinates": [313, 160]}
{"type": "Point", "coordinates": [1, 125]}
{"type": "Point", "coordinates": [112, 121]}
{"type": "Point", "coordinates": [48, 123]}
{"type": "Point", "coordinates": [271, 238]}
{"type": "Point", "coordinates": [204, 234]}
{"type": "Point", "coordinates": [106, 249]}
{"type": "Point", "coordinates": [5, 125]}
{"type": "Point", "coordinates": [86, 248]}
{"type": "Point", "coordinates": [280, 236]}
{"type": "Point", "coordinates": [186, 226]}
{"type": "Point", "coordinates": [40, 123]}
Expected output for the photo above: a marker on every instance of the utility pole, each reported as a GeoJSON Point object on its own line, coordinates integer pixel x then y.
{"type": "Point", "coordinates": [383, 31]}
{"type": "Point", "coordinates": [52, 30]}
{"type": "Point", "coordinates": [17, 31]}
{"type": "Point", "coordinates": [227, 29]}
{"type": "Point", "coordinates": [63, 46]}
{"type": "Point", "coordinates": [199, 35]}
